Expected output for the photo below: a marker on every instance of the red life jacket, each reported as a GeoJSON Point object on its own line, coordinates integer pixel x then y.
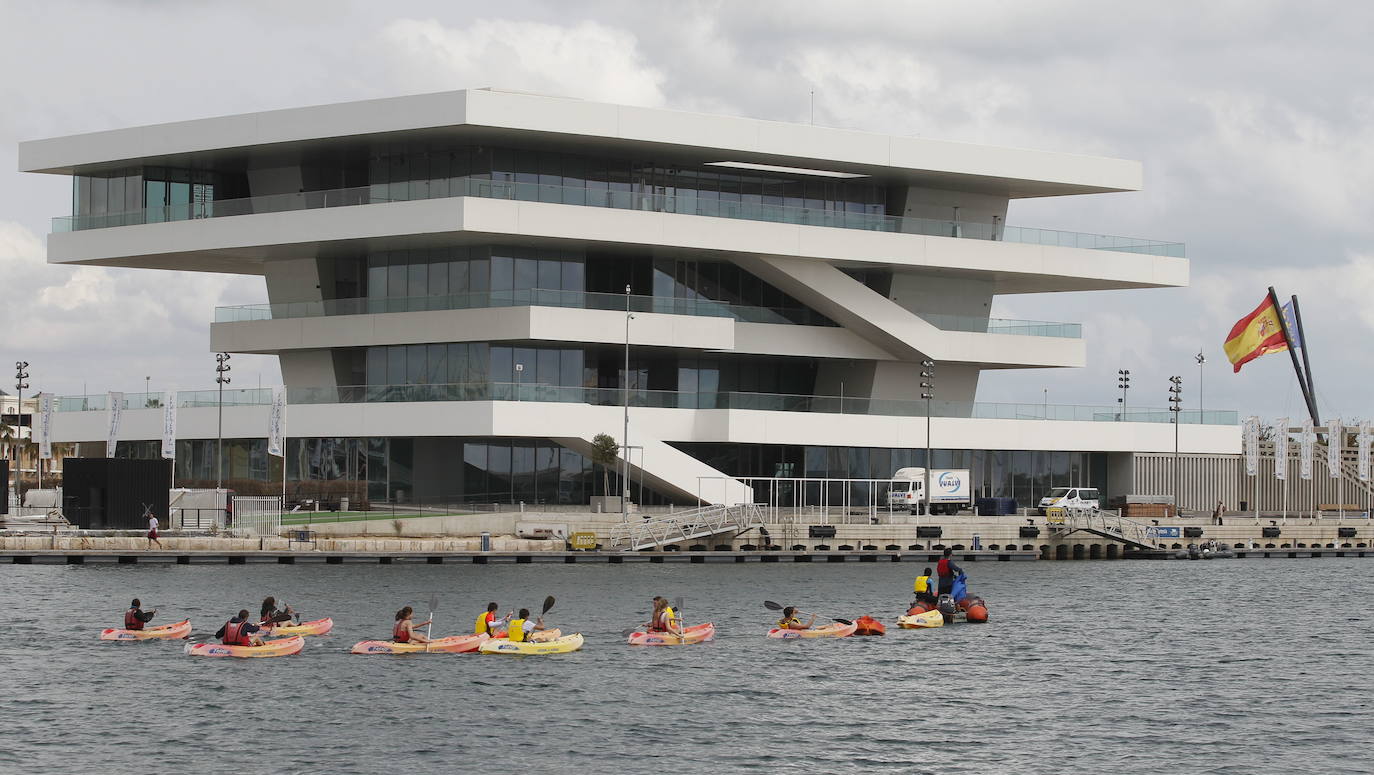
{"type": "Point", "coordinates": [234, 635]}
{"type": "Point", "coordinates": [659, 623]}
{"type": "Point", "coordinates": [942, 567]}
{"type": "Point", "coordinates": [399, 633]}
{"type": "Point", "coordinates": [131, 620]}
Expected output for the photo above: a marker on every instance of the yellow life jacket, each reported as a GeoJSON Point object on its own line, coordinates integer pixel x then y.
{"type": "Point", "coordinates": [784, 624]}
{"type": "Point", "coordinates": [922, 584]}
{"type": "Point", "coordinates": [517, 630]}
{"type": "Point", "coordinates": [669, 616]}
{"type": "Point", "coordinates": [481, 625]}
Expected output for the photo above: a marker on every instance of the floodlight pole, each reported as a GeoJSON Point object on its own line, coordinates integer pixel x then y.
{"type": "Point", "coordinates": [221, 379]}
{"type": "Point", "coordinates": [19, 384]}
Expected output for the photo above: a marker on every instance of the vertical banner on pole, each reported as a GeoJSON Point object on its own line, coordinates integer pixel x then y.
{"type": "Point", "coordinates": [1362, 442]}
{"type": "Point", "coordinates": [1335, 444]}
{"type": "Point", "coordinates": [114, 409]}
{"type": "Point", "coordinates": [169, 424]}
{"type": "Point", "coordinates": [1281, 449]}
{"type": "Point", "coordinates": [276, 422]}
{"type": "Point", "coordinates": [1306, 441]}
{"type": "Point", "coordinates": [1252, 431]}
{"type": "Point", "coordinates": [45, 402]}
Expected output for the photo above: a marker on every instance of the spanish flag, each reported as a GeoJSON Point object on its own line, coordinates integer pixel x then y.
{"type": "Point", "coordinates": [1256, 334]}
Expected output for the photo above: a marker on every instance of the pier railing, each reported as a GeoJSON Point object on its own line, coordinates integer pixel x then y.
{"type": "Point", "coordinates": [657, 531]}
{"type": "Point", "coordinates": [1108, 524]}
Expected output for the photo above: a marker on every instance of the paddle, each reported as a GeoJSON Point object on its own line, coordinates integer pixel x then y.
{"type": "Point", "coordinates": [770, 605]}
{"type": "Point", "coordinates": [429, 627]}
{"type": "Point", "coordinates": [681, 627]}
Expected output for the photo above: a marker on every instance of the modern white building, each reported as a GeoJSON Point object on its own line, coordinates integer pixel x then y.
{"type": "Point", "coordinates": [447, 278]}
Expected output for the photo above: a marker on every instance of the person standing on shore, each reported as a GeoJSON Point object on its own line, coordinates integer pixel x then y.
{"type": "Point", "coordinates": [947, 570]}
{"type": "Point", "coordinates": [152, 532]}
{"type": "Point", "coordinates": [136, 617]}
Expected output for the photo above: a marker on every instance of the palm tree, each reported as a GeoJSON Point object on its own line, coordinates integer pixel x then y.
{"type": "Point", "coordinates": [604, 451]}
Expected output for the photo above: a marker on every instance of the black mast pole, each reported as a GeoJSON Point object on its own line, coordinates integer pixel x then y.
{"type": "Point", "coordinates": [1288, 338]}
{"type": "Point", "coordinates": [1306, 365]}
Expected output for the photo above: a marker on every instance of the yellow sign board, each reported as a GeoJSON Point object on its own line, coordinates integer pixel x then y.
{"type": "Point", "coordinates": [582, 540]}
{"type": "Point", "coordinates": [1054, 515]}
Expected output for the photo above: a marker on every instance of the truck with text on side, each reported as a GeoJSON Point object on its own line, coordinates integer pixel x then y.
{"type": "Point", "coordinates": [950, 490]}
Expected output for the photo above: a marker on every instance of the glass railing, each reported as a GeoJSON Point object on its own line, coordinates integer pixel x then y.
{"type": "Point", "coordinates": [683, 203]}
{"type": "Point", "coordinates": [533, 297]}
{"type": "Point", "coordinates": [664, 399]}
{"type": "Point", "coordinates": [538, 297]}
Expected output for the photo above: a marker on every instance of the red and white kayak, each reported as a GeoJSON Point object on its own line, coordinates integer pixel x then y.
{"type": "Point", "coordinates": [457, 644]}
{"type": "Point", "coordinates": [698, 633]}
{"type": "Point", "coordinates": [281, 647]}
{"type": "Point", "coordinates": [835, 630]}
{"type": "Point", "coordinates": [164, 632]}
{"type": "Point", "coordinates": [316, 627]}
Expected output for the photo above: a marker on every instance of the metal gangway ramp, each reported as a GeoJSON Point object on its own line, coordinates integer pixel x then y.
{"type": "Point", "coordinates": [1106, 524]}
{"type": "Point", "coordinates": [702, 522]}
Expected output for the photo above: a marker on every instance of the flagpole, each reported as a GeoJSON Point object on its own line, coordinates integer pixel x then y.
{"type": "Point", "coordinates": [1306, 365]}
{"type": "Point", "coordinates": [1288, 339]}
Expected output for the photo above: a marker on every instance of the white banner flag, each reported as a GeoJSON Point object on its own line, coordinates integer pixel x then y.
{"type": "Point", "coordinates": [1306, 441]}
{"type": "Point", "coordinates": [1362, 441]}
{"type": "Point", "coordinates": [169, 424]}
{"type": "Point", "coordinates": [1252, 432]}
{"type": "Point", "coordinates": [1281, 448]}
{"type": "Point", "coordinates": [276, 423]}
{"type": "Point", "coordinates": [114, 409]}
{"type": "Point", "coordinates": [45, 402]}
{"type": "Point", "coordinates": [1335, 445]}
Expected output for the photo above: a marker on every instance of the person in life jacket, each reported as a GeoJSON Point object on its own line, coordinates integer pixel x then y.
{"type": "Point", "coordinates": [522, 629]}
{"type": "Point", "coordinates": [270, 617]}
{"type": "Point", "coordinates": [790, 620]}
{"type": "Point", "coordinates": [925, 587]}
{"type": "Point", "coordinates": [489, 623]}
{"type": "Point", "coordinates": [947, 570]}
{"type": "Point", "coordinates": [405, 630]}
{"type": "Point", "coordinates": [136, 617]}
{"type": "Point", "coordinates": [664, 618]}
{"type": "Point", "coordinates": [238, 631]}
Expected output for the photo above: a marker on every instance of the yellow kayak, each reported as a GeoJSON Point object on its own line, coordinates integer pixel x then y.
{"type": "Point", "coordinates": [317, 627]}
{"type": "Point", "coordinates": [921, 620]}
{"type": "Point", "coordinates": [561, 645]}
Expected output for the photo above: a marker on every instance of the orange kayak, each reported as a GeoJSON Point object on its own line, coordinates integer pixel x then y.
{"type": "Point", "coordinates": [836, 630]}
{"type": "Point", "coordinates": [316, 627]}
{"type": "Point", "coordinates": [699, 633]}
{"type": "Point", "coordinates": [457, 644]}
{"type": "Point", "coordinates": [165, 632]}
{"type": "Point", "coordinates": [867, 625]}
{"type": "Point", "coordinates": [281, 647]}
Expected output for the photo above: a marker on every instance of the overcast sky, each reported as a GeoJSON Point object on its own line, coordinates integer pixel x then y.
{"type": "Point", "coordinates": [1254, 121]}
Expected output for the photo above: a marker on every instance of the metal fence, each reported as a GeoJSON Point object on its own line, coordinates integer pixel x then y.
{"type": "Point", "coordinates": [257, 515]}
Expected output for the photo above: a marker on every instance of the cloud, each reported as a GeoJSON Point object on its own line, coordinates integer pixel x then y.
{"type": "Point", "coordinates": [586, 59]}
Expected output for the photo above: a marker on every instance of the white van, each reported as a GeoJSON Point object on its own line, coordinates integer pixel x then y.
{"type": "Point", "coordinates": [1071, 498]}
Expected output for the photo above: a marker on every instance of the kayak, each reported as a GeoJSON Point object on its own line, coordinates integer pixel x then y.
{"type": "Point", "coordinates": [317, 627]}
{"type": "Point", "coordinates": [697, 633]}
{"type": "Point", "coordinates": [281, 647]}
{"type": "Point", "coordinates": [457, 644]}
{"type": "Point", "coordinates": [867, 625]}
{"type": "Point", "coordinates": [835, 630]}
{"type": "Point", "coordinates": [921, 620]}
{"type": "Point", "coordinates": [558, 646]}
{"type": "Point", "coordinates": [164, 632]}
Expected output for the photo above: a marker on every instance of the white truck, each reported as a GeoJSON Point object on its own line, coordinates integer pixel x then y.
{"type": "Point", "coordinates": [950, 490]}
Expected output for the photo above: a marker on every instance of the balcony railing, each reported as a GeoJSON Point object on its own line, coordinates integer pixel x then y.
{"type": "Point", "coordinates": [682, 203]}
{"type": "Point", "coordinates": [538, 297]}
{"type": "Point", "coordinates": [661, 399]}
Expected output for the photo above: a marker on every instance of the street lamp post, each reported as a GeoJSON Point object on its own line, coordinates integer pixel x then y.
{"type": "Point", "coordinates": [519, 370]}
{"type": "Point", "coordinates": [19, 384]}
{"type": "Point", "coordinates": [1201, 359]}
{"type": "Point", "coordinates": [1123, 381]}
{"type": "Point", "coordinates": [1176, 406]}
{"type": "Point", "coordinates": [625, 433]}
{"type": "Point", "coordinates": [221, 379]}
{"type": "Point", "coordinates": [928, 393]}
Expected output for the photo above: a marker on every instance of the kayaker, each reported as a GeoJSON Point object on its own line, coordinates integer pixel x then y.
{"type": "Point", "coordinates": [522, 629]}
{"type": "Point", "coordinates": [790, 621]}
{"type": "Point", "coordinates": [238, 631]}
{"type": "Point", "coordinates": [664, 618]}
{"type": "Point", "coordinates": [487, 621]}
{"type": "Point", "coordinates": [404, 630]}
{"type": "Point", "coordinates": [270, 617]}
{"type": "Point", "coordinates": [947, 570]}
{"type": "Point", "coordinates": [136, 617]}
{"type": "Point", "coordinates": [925, 587]}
